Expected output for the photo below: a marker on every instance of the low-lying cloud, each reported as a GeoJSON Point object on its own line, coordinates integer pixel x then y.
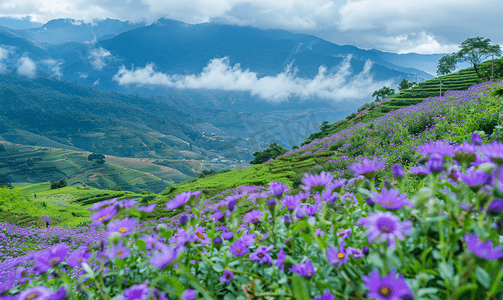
{"type": "Point", "coordinates": [218, 74]}
{"type": "Point", "coordinates": [26, 67]}
{"type": "Point", "coordinates": [97, 57]}
{"type": "Point", "coordinates": [54, 67]}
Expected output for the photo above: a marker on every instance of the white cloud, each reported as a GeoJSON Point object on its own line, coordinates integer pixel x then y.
{"type": "Point", "coordinates": [83, 75]}
{"type": "Point", "coordinates": [218, 74]}
{"type": "Point", "coordinates": [54, 66]}
{"type": "Point", "coordinates": [97, 57]}
{"type": "Point", "coordinates": [4, 53]}
{"type": "Point", "coordinates": [97, 82]}
{"type": "Point", "coordinates": [27, 67]}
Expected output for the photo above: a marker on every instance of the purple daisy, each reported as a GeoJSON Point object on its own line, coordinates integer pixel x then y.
{"type": "Point", "coordinates": [106, 214]}
{"type": "Point", "coordinates": [148, 209]}
{"type": "Point", "coordinates": [386, 225]}
{"type": "Point", "coordinates": [128, 203]}
{"type": "Point", "coordinates": [60, 294]}
{"type": "Point", "coordinates": [390, 199]}
{"type": "Point", "coordinates": [337, 256]}
{"type": "Point", "coordinates": [238, 248]}
{"type": "Point", "coordinates": [440, 147]}
{"type": "Point", "coordinates": [180, 199]}
{"type": "Point", "coordinates": [78, 257]}
{"type": "Point", "coordinates": [305, 269]}
{"type": "Point", "coordinates": [476, 139]}
{"type": "Point", "coordinates": [50, 258]}
{"type": "Point", "coordinates": [124, 227]}
{"type": "Point", "coordinates": [137, 292]}
{"type": "Point", "coordinates": [388, 288]}
{"type": "Point", "coordinates": [46, 219]}
{"type": "Point", "coordinates": [166, 255]}
{"type": "Point", "coordinates": [474, 179]}
{"type": "Point", "coordinates": [327, 196]}
{"type": "Point", "coordinates": [436, 163]}
{"type": "Point", "coordinates": [481, 249]}
{"type": "Point", "coordinates": [369, 168]}
{"type": "Point", "coordinates": [319, 232]}
{"type": "Point", "coordinates": [496, 207]}
{"type": "Point", "coordinates": [118, 251]}
{"type": "Point", "coordinates": [291, 202]}
{"type": "Point", "coordinates": [355, 252]}
{"type": "Point", "coordinates": [326, 296]}
{"type": "Point", "coordinates": [494, 151]}
{"type": "Point", "coordinates": [398, 172]}
{"type": "Point", "coordinates": [281, 258]}
{"type": "Point", "coordinates": [103, 204]}
{"type": "Point", "coordinates": [344, 233]}
{"type": "Point", "coordinates": [227, 235]}
{"type": "Point", "coordinates": [151, 241]}
{"type": "Point", "coordinates": [39, 293]}
{"type": "Point", "coordinates": [253, 216]}
{"type": "Point", "coordinates": [262, 255]}
{"type": "Point", "coordinates": [277, 188]}
{"type": "Point", "coordinates": [316, 182]}
{"type": "Point", "coordinates": [227, 277]}
{"type": "Point", "coordinates": [336, 185]}
{"type": "Point", "coordinates": [421, 171]}
{"type": "Point", "coordinates": [189, 294]}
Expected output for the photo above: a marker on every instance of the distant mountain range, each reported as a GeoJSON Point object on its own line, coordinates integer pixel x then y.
{"type": "Point", "coordinates": [91, 54]}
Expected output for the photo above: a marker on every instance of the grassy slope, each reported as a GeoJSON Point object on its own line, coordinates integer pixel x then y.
{"type": "Point", "coordinates": [288, 169]}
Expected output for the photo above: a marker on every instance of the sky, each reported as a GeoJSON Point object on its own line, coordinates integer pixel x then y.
{"type": "Point", "coordinates": [404, 26]}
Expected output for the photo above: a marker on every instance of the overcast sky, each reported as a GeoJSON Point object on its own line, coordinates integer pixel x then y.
{"type": "Point", "coordinates": [400, 26]}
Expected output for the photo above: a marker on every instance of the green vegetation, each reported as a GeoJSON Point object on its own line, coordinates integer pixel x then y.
{"type": "Point", "coordinates": [273, 151]}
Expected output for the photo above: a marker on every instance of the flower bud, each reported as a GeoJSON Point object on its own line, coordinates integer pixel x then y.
{"type": "Point", "coordinates": [398, 172]}
{"type": "Point", "coordinates": [365, 250]}
{"type": "Point", "coordinates": [476, 139]}
{"type": "Point", "coordinates": [162, 228]}
{"type": "Point", "coordinates": [183, 220]}
{"type": "Point", "coordinates": [422, 279]}
{"type": "Point", "coordinates": [436, 163]}
{"type": "Point", "coordinates": [115, 238]}
{"type": "Point", "coordinates": [387, 184]}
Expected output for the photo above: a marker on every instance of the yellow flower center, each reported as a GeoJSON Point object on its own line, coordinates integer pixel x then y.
{"type": "Point", "coordinates": [340, 256]}
{"type": "Point", "coordinates": [309, 273]}
{"type": "Point", "coordinates": [123, 230]}
{"type": "Point", "coordinates": [341, 234]}
{"type": "Point", "coordinates": [254, 220]}
{"type": "Point", "coordinates": [238, 251]}
{"type": "Point", "coordinates": [260, 255]}
{"type": "Point", "coordinates": [389, 203]}
{"type": "Point", "coordinates": [384, 229]}
{"type": "Point", "coordinates": [79, 260]}
{"type": "Point", "coordinates": [120, 252]}
{"type": "Point", "coordinates": [101, 218]}
{"type": "Point", "coordinates": [385, 291]}
{"type": "Point", "coordinates": [54, 261]}
{"type": "Point", "coordinates": [31, 296]}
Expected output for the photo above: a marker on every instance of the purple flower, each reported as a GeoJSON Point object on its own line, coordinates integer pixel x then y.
{"type": "Point", "coordinates": [421, 171]}
{"type": "Point", "coordinates": [474, 179]}
{"type": "Point", "coordinates": [398, 172]}
{"type": "Point", "coordinates": [496, 207]}
{"type": "Point", "coordinates": [136, 292]}
{"type": "Point", "coordinates": [386, 225]}
{"type": "Point", "coordinates": [60, 294]}
{"type": "Point", "coordinates": [128, 203]}
{"type": "Point", "coordinates": [238, 248]}
{"type": "Point", "coordinates": [50, 258]}
{"type": "Point", "coordinates": [290, 202]}
{"type": "Point", "coordinates": [161, 259]}
{"type": "Point", "coordinates": [277, 188]}
{"type": "Point", "coordinates": [103, 215]}
{"type": "Point", "coordinates": [439, 147]}
{"type": "Point", "coordinates": [118, 251]}
{"type": "Point", "coordinates": [326, 296]}
{"type": "Point", "coordinates": [253, 216]}
{"type": "Point", "coordinates": [305, 269]}
{"type": "Point", "coordinates": [46, 219]}
{"type": "Point", "coordinates": [217, 216]}
{"type": "Point", "coordinates": [319, 232]}
{"type": "Point", "coordinates": [103, 204]}
{"type": "Point", "coordinates": [316, 182]}
{"type": "Point", "coordinates": [390, 199]}
{"type": "Point", "coordinates": [227, 235]}
{"type": "Point", "coordinates": [286, 219]}
{"type": "Point", "coordinates": [262, 255]}
{"type": "Point", "coordinates": [39, 293]}
{"type": "Point", "coordinates": [337, 256]}
{"type": "Point", "coordinates": [388, 288]}
{"type": "Point", "coordinates": [281, 258]}
{"type": "Point", "coordinates": [180, 199]}
{"type": "Point", "coordinates": [369, 168]}
{"type": "Point", "coordinates": [344, 233]}
{"type": "Point", "coordinates": [149, 208]}
{"type": "Point", "coordinates": [336, 185]}
{"type": "Point", "coordinates": [494, 151]}
{"type": "Point", "coordinates": [436, 163]}
{"type": "Point", "coordinates": [78, 257]}
{"type": "Point", "coordinates": [476, 139]}
{"type": "Point", "coordinates": [355, 252]}
{"type": "Point", "coordinates": [183, 220]}
{"type": "Point", "coordinates": [189, 294]}
{"type": "Point", "coordinates": [217, 240]}
{"type": "Point", "coordinates": [228, 275]}
{"type": "Point", "coordinates": [481, 249]}
{"type": "Point", "coordinates": [124, 227]}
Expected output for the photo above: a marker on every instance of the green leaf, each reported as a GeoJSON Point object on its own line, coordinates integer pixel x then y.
{"type": "Point", "coordinates": [194, 221]}
{"type": "Point", "coordinates": [120, 262]}
{"type": "Point", "coordinates": [88, 269]}
{"type": "Point", "coordinates": [426, 291]}
{"type": "Point", "coordinates": [141, 244]}
{"type": "Point", "coordinates": [218, 268]}
{"type": "Point", "coordinates": [424, 254]}
{"type": "Point", "coordinates": [483, 277]}
{"type": "Point", "coordinates": [465, 288]}
{"type": "Point", "coordinates": [300, 288]}
{"type": "Point", "coordinates": [307, 238]}
{"type": "Point", "coordinates": [175, 283]}
{"type": "Point", "coordinates": [297, 227]}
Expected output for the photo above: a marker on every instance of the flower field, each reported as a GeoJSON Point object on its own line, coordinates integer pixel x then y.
{"type": "Point", "coordinates": [408, 206]}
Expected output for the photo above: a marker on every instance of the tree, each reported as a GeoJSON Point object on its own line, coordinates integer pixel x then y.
{"type": "Point", "coordinates": [384, 92]}
{"type": "Point", "coordinates": [324, 126]}
{"type": "Point", "coordinates": [405, 84]}
{"type": "Point", "coordinates": [273, 151]}
{"type": "Point", "coordinates": [474, 50]}
{"type": "Point", "coordinates": [30, 162]}
{"type": "Point", "coordinates": [100, 158]}
{"type": "Point", "coordinates": [446, 64]}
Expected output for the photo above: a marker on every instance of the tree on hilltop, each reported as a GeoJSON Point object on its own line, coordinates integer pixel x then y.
{"type": "Point", "coordinates": [273, 151]}
{"type": "Point", "coordinates": [405, 84]}
{"type": "Point", "coordinates": [474, 50]}
{"type": "Point", "coordinates": [446, 64]}
{"type": "Point", "coordinates": [100, 158]}
{"type": "Point", "coordinates": [383, 93]}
